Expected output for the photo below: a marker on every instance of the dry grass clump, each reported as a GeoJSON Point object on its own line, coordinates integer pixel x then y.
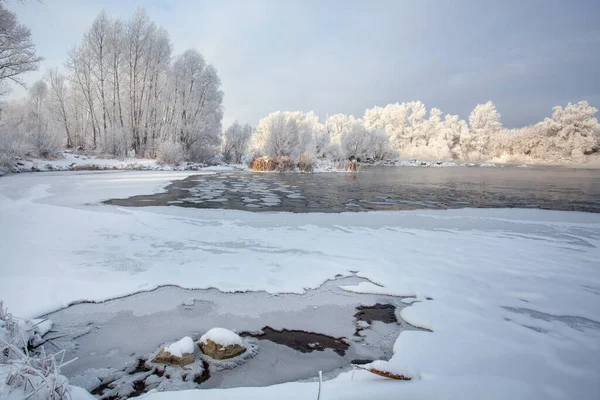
{"type": "Point", "coordinates": [281, 164]}
{"type": "Point", "coordinates": [352, 166]}
{"type": "Point", "coordinates": [29, 372]}
{"type": "Point", "coordinates": [305, 164]}
{"type": "Point", "coordinates": [263, 164]}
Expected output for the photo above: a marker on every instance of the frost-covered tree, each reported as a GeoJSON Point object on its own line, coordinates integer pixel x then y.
{"type": "Point", "coordinates": [235, 142]}
{"type": "Point", "coordinates": [393, 119]}
{"type": "Point", "coordinates": [17, 51]}
{"type": "Point", "coordinates": [355, 140]}
{"type": "Point", "coordinates": [379, 145]}
{"type": "Point", "coordinates": [286, 134]}
{"type": "Point", "coordinates": [42, 137]}
{"type": "Point", "coordinates": [484, 122]}
{"type": "Point", "coordinates": [336, 124]}
{"type": "Point", "coordinates": [58, 101]}
{"type": "Point", "coordinates": [197, 105]}
{"type": "Point", "coordinates": [452, 131]}
{"type": "Point", "coordinates": [575, 128]}
{"type": "Point", "coordinates": [277, 135]}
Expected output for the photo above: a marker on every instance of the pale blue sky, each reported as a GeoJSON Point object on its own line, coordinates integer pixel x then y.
{"type": "Point", "coordinates": [345, 56]}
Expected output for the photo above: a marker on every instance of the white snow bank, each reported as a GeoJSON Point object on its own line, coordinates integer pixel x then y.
{"type": "Point", "coordinates": [360, 385]}
{"type": "Point", "coordinates": [181, 347]}
{"type": "Point", "coordinates": [221, 336]}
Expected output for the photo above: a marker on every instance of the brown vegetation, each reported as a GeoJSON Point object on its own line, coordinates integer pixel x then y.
{"type": "Point", "coordinates": [352, 166]}
{"type": "Point", "coordinates": [384, 373]}
{"type": "Point", "coordinates": [306, 165]}
{"type": "Point", "coordinates": [263, 164]}
{"type": "Point", "coordinates": [280, 164]}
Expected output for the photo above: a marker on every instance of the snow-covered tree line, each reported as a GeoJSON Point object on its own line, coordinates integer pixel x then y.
{"type": "Point", "coordinates": [122, 92]}
{"type": "Point", "coordinates": [408, 130]}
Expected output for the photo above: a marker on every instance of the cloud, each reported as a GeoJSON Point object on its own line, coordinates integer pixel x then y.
{"type": "Point", "coordinates": [345, 56]}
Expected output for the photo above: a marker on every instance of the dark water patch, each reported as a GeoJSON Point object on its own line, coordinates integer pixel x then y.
{"type": "Point", "coordinates": [204, 376]}
{"type": "Point", "coordinates": [385, 188]}
{"type": "Point", "coordinates": [360, 361]}
{"type": "Point", "coordinates": [302, 341]}
{"type": "Point", "coordinates": [379, 312]}
{"type": "Point", "coordinates": [98, 391]}
{"type": "Point", "coordinates": [139, 367]}
{"type": "Point", "coordinates": [139, 388]}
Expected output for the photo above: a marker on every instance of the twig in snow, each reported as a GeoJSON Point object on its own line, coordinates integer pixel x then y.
{"type": "Point", "coordinates": [384, 373]}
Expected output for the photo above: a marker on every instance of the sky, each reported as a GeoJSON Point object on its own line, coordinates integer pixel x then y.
{"type": "Point", "coordinates": [345, 56]}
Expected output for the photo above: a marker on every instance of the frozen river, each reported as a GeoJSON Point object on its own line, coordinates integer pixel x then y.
{"type": "Point", "coordinates": [508, 299]}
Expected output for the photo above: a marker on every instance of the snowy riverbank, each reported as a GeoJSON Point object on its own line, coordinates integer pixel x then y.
{"type": "Point", "coordinates": [81, 162]}
{"type": "Point", "coordinates": [515, 309]}
{"type": "Point", "coordinates": [70, 161]}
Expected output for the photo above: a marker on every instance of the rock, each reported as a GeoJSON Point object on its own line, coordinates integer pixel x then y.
{"type": "Point", "coordinates": [180, 353]}
{"type": "Point", "coordinates": [219, 352]}
{"type": "Point", "coordinates": [221, 344]}
{"type": "Point", "coordinates": [165, 357]}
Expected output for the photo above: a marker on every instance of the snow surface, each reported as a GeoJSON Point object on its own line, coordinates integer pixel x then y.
{"type": "Point", "coordinates": [515, 306]}
{"type": "Point", "coordinates": [221, 336]}
{"type": "Point", "coordinates": [181, 347]}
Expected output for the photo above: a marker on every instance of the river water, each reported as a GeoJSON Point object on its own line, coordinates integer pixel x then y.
{"type": "Point", "coordinates": [386, 188]}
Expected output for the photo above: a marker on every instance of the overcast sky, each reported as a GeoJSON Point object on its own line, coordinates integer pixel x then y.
{"type": "Point", "coordinates": [345, 56]}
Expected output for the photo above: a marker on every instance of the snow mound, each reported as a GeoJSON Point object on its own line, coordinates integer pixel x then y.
{"type": "Point", "coordinates": [184, 346]}
{"type": "Point", "coordinates": [222, 336]}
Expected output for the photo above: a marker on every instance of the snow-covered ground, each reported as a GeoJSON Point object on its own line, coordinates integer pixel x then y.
{"type": "Point", "coordinates": [515, 309]}
{"type": "Point", "coordinates": [69, 161]}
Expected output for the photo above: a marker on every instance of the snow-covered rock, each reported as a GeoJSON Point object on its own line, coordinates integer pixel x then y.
{"type": "Point", "coordinates": [179, 353]}
{"type": "Point", "coordinates": [221, 344]}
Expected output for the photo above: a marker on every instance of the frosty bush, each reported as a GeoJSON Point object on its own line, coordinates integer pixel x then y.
{"type": "Point", "coordinates": [27, 373]}
{"type": "Point", "coordinates": [12, 142]}
{"type": "Point", "coordinates": [170, 152]}
{"type": "Point", "coordinates": [33, 376]}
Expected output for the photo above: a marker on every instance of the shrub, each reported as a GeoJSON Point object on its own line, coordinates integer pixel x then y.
{"type": "Point", "coordinates": [306, 164]}
{"type": "Point", "coordinates": [28, 374]}
{"type": "Point", "coordinates": [284, 164]}
{"type": "Point", "coordinates": [170, 152]}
